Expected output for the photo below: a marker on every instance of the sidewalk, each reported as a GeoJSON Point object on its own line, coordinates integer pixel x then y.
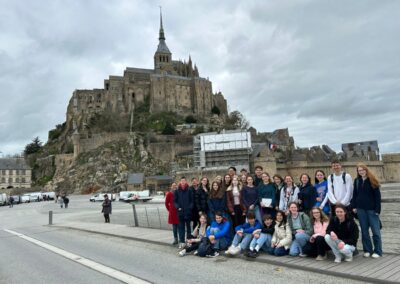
{"type": "Point", "coordinates": [382, 270]}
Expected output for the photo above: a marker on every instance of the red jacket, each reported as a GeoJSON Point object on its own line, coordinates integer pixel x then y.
{"type": "Point", "coordinates": [169, 204]}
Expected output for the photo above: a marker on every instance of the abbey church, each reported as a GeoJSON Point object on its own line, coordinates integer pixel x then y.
{"type": "Point", "coordinates": [171, 85]}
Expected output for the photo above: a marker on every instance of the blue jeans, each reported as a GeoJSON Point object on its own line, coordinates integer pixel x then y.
{"type": "Point", "coordinates": [368, 219]}
{"type": "Point", "coordinates": [281, 251]}
{"type": "Point", "coordinates": [346, 251]}
{"type": "Point", "coordinates": [221, 243]}
{"type": "Point", "coordinates": [257, 212]}
{"type": "Point", "coordinates": [242, 241]}
{"type": "Point", "coordinates": [181, 228]}
{"type": "Point", "coordinates": [263, 242]}
{"type": "Point", "coordinates": [299, 241]}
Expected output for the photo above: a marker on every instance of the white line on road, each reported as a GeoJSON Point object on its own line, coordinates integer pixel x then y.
{"type": "Point", "coordinates": [121, 276]}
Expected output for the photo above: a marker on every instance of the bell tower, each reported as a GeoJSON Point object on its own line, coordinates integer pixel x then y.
{"type": "Point", "coordinates": [162, 57]}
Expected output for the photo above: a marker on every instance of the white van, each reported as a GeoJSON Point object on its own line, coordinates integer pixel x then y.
{"type": "Point", "coordinates": [100, 197]}
{"type": "Point", "coordinates": [123, 195]}
{"type": "Point", "coordinates": [36, 196]}
{"type": "Point", "coordinates": [26, 198]}
{"type": "Point", "coordinates": [3, 199]}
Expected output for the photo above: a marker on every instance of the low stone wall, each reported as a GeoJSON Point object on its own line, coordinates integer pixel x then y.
{"type": "Point", "coordinates": [98, 140]}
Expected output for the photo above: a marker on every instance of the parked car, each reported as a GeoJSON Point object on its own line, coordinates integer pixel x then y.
{"type": "Point", "coordinates": [143, 195]}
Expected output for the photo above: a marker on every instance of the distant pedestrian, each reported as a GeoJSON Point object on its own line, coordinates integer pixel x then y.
{"type": "Point", "coordinates": [66, 201]}
{"type": "Point", "coordinates": [11, 201]}
{"type": "Point", "coordinates": [172, 212]}
{"type": "Point", "coordinates": [106, 208]}
{"type": "Point", "coordinates": [60, 201]}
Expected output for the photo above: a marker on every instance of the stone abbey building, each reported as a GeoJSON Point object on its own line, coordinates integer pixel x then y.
{"type": "Point", "coordinates": [174, 86]}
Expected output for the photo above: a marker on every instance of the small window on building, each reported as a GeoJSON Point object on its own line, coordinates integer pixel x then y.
{"type": "Point", "coordinates": [17, 180]}
{"type": "Point", "coordinates": [10, 172]}
{"type": "Point", "coordinates": [23, 180]}
{"type": "Point", "coordinates": [3, 172]}
{"type": "Point", "coordinates": [9, 180]}
{"type": "Point", "coordinates": [133, 96]}
{"type": "Point", "coordinates": [17, 172]}
{"type": "Point", "coordinates": [23, 172]}
{"type": "Point", "coordinates": [107, 86]}
{"type": "Point", "coordinates": [3, 180]}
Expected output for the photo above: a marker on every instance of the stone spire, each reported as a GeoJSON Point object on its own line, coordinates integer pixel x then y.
{"type": "Point", "coordinates": [162, 46]}
{"type": "Point", "coordinates": [161, 36]}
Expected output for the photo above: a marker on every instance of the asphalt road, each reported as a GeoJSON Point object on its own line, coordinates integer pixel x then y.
{"type": "Point", "coordinates": [25, 262]}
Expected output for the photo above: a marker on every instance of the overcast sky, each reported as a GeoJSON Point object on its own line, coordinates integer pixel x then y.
{"type": "Point", "coordinates": [327, 70]}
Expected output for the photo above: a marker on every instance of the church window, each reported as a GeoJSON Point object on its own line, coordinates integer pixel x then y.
{"type": "Point", "coordinates": [107, 86]}
{"type": "Point", "coordinates": [133, 96]}
{"type": "Point", "coordinates": [98, 98]}
{"type": "Point", "coordinates": [160, 58]}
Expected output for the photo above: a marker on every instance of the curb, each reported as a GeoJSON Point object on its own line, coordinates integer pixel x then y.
{"type": "Point", "coordinates": [262, 260]}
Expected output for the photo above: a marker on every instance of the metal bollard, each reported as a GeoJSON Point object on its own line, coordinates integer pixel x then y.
{"type": "Point", "coordinates": [135, 218]}
{"type": "Point", "coordinates": [50, 217]}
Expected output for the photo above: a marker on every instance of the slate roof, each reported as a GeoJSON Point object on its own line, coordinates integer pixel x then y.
{"type": "Point", "coordinates": [160, 178]}
{"type": "Point", "coordinates": [135, 178]}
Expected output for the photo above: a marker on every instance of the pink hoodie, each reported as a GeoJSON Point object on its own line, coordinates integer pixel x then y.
{"type": "Point", "coordinates": [320, 229]}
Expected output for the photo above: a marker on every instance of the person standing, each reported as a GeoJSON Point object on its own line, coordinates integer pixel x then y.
{"type": "Point", "coordinates": [201, 197]}
{"type": "Point", "coordinates": [183, 201]}
{"type": "Point", "coordinates": [342, 234]}
{"type": "Point", "coordinates": [250, 198]}
{"type": "Point", "coordinates": [289, 193]}
{"type": "Point", "coordinates": [66, 202]}
{"type": "Point", "coordinates": [195, 216]}
{"type": "Point", "coordinates": [216, 201]}
{"type": "Point", "coordinates": [366, 203]}
{"type": "Point", "coordinates": [172, 212]}
{"type": "Point", "coordinates": [234, 202]}
{"type": "Point", "coordinates": [321, 186]}
{"type": "Point", "coordinates": [340, 187]}
{"type": "Point", "coordinates": [279, 184]}
{"type": "Point", "coordinates": [11, 201]}
{"type": "Point", "coordinates": [106, 208]}
{"type": "Point", "coordinates": [258, 175]}
{"type": "Point", "coordinates": [307, 194]}
{"type": "Point", "coordinates": [266, 195]}
{"type": "Point", "coordinates": [60, 201]}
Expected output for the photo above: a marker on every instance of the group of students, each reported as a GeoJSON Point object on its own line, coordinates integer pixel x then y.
{"type": "Point", "coordinates": [248, 214]}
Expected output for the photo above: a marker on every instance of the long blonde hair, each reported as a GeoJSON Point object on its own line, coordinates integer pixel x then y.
{"type": "Point", "coordinates": [372, 178]}
{"type": "Point", "coordinates": [239, 185]}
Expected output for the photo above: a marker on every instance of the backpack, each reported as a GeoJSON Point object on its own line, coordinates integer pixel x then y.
{"type": "Point", "coordinates": [343, 178]}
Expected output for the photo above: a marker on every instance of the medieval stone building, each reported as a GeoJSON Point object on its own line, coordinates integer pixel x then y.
{"type": "Point", "coordinates": [171, 85]}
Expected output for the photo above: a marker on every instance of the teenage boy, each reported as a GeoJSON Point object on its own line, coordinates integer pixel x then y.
{"type": "Point", "coordinates": [232, 172]}
{"type": "Point", "coordinates": [244, 234]}
{"type": "Point", "coordinates": [258, 176]}
{"type": "Point", "coordinates": [218, 234]}
{"type": "Point", "coordinates": [195, 213]}
{"type": "Point", "coordinates": [340, 187]}
{"type": "Point", "coordinates": [183, 201]}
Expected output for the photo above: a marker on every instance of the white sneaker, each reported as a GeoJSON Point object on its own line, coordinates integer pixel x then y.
{"type": "Point", "coordinates": [375, 255]}
{"type": "Point", "coordinates": [348, 258]}
{"type": "Point", "coordinates": [338, 259]}
{"type": "Point", "coordinates": [367, 254]}
{"type": "Point", "coordinates": [235, 250]}
{"type": "Point", "coordinates": [320, 257]}
{"type": "Point", "coordinates": [182, 252]}
{"type": "Point", "coordinates": [181, 245]}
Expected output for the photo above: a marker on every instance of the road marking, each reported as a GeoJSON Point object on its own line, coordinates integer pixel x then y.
{"type": "Point", "coordinates": [121, 276]}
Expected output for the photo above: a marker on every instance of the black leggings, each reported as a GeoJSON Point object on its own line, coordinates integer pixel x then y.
{"type": "Point", "coordinates": [107, 218]}
{"type": "Point", "coordinates": [318, 247]}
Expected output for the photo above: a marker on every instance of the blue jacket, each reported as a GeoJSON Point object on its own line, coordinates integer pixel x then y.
{"type": "Point", "coordinates": [223, 230]}
{"type": "Point", "coordinates": [247, 228]}
{"type": "Point", "coordinates": [322, 191]}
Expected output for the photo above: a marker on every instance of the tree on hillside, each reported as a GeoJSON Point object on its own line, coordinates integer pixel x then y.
{"type": "Point", "coordinates": [33, 147]}
{"type": "Point", "coordinates": [236, 120]}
